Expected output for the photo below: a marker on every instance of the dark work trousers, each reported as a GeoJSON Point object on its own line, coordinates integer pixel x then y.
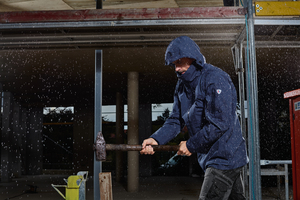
{"type": "Point", "coordinates": [222, 185]}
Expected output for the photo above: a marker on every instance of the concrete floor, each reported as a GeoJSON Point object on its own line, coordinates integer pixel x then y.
{"type": "Point", "coordinates": [158, 188]}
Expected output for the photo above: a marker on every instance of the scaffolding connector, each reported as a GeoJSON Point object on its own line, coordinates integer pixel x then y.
{"type": "Point", "coordinates": [238, 70]}
{"type": "Point", "coordinates": [242, 11]}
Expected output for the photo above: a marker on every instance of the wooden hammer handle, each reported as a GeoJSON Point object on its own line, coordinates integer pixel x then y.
{"type": "Point", "coordinates": [130, 147]}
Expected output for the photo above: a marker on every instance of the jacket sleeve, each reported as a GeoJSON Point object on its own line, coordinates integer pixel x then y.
{"type": "Point", "coordinates": [172, 125]}
{"type": "Point", "coordinates": [212, 109]}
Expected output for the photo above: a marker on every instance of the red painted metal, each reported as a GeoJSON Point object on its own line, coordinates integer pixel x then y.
{"type": "Point", "coordinates": [120, 14]}
{"type": "Point", "coordinates": [292, 94]}
{"type": "Point", "coordinates": [294, 101]}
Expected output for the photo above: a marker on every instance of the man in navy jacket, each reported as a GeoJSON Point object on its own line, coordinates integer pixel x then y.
{"type": "Point", "coordinates": [205, 102]}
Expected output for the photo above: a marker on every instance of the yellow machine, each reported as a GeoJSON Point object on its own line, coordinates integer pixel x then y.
{"type": "Point", "coordinates": [75, 186]}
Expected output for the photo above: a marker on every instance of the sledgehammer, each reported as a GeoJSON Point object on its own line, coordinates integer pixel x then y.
{"type": "Point", "coordinates": [101, 147]}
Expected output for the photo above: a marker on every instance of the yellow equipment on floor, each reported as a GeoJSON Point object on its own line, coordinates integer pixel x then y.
{"type": "Point", "coordinates": [72, 187]}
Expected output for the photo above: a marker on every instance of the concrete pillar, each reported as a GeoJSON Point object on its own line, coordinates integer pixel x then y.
{"type": "Point", "coordinates": [83, 138]}
{"type": "Point", "coordinates": [34, 141]}
{"type": "Point", "coordinates": [119, 135]}
{"type": "Point", "coordinates": [7, 138]}
{"type": "Point", "coordinates": [133, 130]}
{"type": "Point", "coordinates": [145, 130]}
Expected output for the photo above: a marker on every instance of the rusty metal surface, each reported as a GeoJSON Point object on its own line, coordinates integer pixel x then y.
{"type": "Point", "coordinates": [120, 14]}
{"type": "Point", "coordinates": [99, 147]}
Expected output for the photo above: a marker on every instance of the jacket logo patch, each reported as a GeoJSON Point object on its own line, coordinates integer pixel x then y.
{"type": "Point", "coordinates": [219, 91]}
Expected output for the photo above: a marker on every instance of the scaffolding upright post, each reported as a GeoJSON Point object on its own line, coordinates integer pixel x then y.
{"type": "Point", "coordinates": [252, 108]}
{"type": "Point", "coordinates": [97, 118]}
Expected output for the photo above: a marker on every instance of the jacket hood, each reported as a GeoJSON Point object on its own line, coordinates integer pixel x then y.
{"type": "Point", "coordinates": [183, 47]}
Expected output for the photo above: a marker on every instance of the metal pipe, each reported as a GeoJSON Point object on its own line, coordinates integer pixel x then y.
{"type": "Point", "coordinates": [252, 100]}
{"type": "Point", "coordinates": [128, 147]}
{"type": "Point", "coordinates": [113, 23]}
{"type": "Point", "coordinates": [133, 130]}
{"type": "Point", "coordinates": [286, 176]}
{"type": "Point", "coordinates": [275, 162]}
{"type": "Point", "coordinates": [241, 79]}
{"type": "Point", "coordinates": [98, 118]}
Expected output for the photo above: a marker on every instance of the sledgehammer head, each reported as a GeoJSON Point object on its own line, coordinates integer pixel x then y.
{"type": "Point", "coordinates": [100, 147]}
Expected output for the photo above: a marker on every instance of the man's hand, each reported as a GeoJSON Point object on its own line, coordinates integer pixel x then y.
{"type": "Point", "coordinates": [147, 148]}
{"type": "Point", "coordinates": [183, 150]}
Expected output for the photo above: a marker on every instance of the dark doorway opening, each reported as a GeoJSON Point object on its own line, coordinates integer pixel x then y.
{"type": "Point", "coordinates": [58, 138]}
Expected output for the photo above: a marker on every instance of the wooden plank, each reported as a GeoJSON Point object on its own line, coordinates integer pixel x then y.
{"type": "Point", "coordinates": [277, 8]}
{"type": "Point", "coordinates": [105, 186]}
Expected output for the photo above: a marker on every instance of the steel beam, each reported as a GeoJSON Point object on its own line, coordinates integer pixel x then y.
{"type": "Point", "coordinates": [164, 22]}
{"type": "Point", "coordinates": [122, 23]}
{"type": "Point", "coordinates": [277, 21]}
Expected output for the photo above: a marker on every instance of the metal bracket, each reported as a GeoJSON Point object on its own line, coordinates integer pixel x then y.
{"type": "Point", "coordinates": [242, 11]}
{"type": "Point", "coordinates": [240, 70]}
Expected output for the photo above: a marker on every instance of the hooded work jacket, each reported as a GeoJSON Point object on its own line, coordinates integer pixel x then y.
{"type": "Point", "coordinates": [205, 102]}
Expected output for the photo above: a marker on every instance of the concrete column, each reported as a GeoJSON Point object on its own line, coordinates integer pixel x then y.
{"type": "Point", "coordinates": [7, 138]}
{"type": "Point", "coordinates": [34, 139]}
{"type": "Point", "coordinates": [119, 135]}
{"type": "Point", "coordinates": [145, 130]}
{"type": "Point", "coordinates": [133, 130]}
{"type": "Point", "coordinates": [83, 138]}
